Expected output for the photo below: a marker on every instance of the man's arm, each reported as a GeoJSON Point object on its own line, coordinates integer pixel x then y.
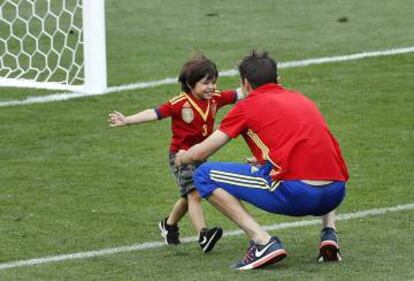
{"type": "Point", "coordinates": [203, 150]}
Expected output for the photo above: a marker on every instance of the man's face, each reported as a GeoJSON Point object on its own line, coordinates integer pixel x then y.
{"type": "Point", "coordinates": [246, 88]}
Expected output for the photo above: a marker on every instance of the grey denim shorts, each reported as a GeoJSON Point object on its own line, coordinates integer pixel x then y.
{"type": "Point", "coordinates": [183, 175]}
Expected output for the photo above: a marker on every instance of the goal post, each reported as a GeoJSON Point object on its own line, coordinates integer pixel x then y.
{"type": "Point", "coordinates": [52, 44]}
{"type": "Point", "coordinates": [94, 46]}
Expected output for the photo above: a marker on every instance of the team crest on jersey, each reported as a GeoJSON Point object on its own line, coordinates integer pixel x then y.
{"type": "Point", "coordinates": [187, 113]}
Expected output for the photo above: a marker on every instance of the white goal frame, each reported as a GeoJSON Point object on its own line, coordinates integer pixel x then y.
{"type": "Point", "coordinates": [94, 54]}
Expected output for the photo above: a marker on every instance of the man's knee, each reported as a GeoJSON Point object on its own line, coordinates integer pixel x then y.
{"type": "Point", "coordinates": [201, 174]}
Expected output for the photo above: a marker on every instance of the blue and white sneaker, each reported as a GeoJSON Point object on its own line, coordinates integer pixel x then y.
{"type": "Point", "coordinates": [259, 256]}
{"type": "Point", "coordinates": [329, 247]}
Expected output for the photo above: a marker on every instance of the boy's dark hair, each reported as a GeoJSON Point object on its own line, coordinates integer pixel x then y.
{"type": "Point", "coordinates": [195, 70]}
{"type": "Point", "coordinates": [258, 69]}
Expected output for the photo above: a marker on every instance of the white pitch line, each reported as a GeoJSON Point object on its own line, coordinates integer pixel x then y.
{"type": "Point", "coordinates": [152, 245]}
{"type": "Point", "coordinates": [229, 73]}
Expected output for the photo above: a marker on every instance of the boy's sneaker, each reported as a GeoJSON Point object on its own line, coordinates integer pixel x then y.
{"type": "Point", "coordinates": [169, 232]}
{"type": "Point", "coordinates": [259, 256]}
{"type": "Point", "coordinates": [209, 237]}
{"type": "Point", "coordinates": [329, 247]}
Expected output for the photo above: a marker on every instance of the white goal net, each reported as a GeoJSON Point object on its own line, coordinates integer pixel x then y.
{"type": "Point", "coordinates": [43, 44]}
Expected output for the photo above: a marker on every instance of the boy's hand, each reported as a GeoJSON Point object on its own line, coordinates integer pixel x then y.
{"type": "Point", "coordinates": [116, 119]}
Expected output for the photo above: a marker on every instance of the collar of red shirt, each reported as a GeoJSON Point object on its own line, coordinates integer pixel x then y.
{"type": "Point", "coordinates": [269, 87]}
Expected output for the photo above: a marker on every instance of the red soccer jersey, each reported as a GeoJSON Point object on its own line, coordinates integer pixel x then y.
{"type": "Point", "coordinates": [192, 119]}
{"type": "Point", "coordinates": [287, 129]}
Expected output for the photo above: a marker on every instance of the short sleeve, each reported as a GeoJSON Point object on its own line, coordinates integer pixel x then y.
{"type": "Point", "coordinates": [234, 123]}
{"type": "Point", "coordinates": [164, 110]}
{"type": "Point", "coordinates": [226, 97]}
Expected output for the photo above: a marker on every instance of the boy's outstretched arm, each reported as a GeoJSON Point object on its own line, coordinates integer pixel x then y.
{"type": "Point", "coordinates": [117, 119]}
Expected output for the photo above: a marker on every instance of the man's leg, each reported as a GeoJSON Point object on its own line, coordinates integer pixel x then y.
{"type": "Point", "coordinates": [264, 249]}
{"type": "Point", "coordinates": [234, 210]}
{"type": "Point", "coordinates": [328, 220]}
{"type": "Point", "coordinates": [329, 246]}
{"type": "Point", "coordinates": [218, 182]}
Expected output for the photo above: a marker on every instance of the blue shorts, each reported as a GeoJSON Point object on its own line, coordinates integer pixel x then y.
{"type": "Point", "coordinates": [254, 185]}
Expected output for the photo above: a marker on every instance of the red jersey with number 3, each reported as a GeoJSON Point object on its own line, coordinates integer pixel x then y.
{"type": "Point", "coordinates": [192, 118]}
{"type": "Point", "coordinates": [287, 129]}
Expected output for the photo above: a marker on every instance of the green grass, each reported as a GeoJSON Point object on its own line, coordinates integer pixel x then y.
{"type": "Point", "coordinates": [289, 29]}
{"type": "Point", "coordinates": [71, 184]}
{"type": "Point", "coordinates": [150, 39]}
{"type": "Point", "coordinates": [375, 248]}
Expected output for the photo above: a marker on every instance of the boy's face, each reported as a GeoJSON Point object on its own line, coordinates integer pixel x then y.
{"type": "Point", "coordinates": [204, 89]}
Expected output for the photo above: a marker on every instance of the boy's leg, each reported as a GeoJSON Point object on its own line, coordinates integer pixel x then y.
{"type": "Point", "coordinates": [184, 176]}
{"type": "Point", "coordinates": [168, 226]}
{"type": "Point", "coordinates": [178, 212]}
{"type": "Point", "coordinates": [207, 237]}
{"type": "Point", "coordinates": [195, 211]}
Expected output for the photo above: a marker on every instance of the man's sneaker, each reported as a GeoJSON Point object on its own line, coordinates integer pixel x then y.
{"type": "Point", "coordinates": [209, 237]}
{"type": "Point", "coordinates": [259, 256]}
{"type": "Point", "coordinates": [169, 232]}
{"type": "Point", "coordinates": [329, 247]}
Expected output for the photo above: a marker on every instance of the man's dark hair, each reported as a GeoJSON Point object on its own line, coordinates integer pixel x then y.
{"type": "Point", "coordinates": [258, 69]}
{"type": "Point", "coordinates": [195, 70]}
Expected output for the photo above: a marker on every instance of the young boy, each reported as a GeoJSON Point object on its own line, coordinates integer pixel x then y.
{"type": "Point", "coordinates": [193, 113]}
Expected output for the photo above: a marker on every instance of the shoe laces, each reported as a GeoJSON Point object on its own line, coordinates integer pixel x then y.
{"type": "Point", "coordinates": [329, 233]}
{"type": "Point", "coordinates": [327, 230]}
{"type": "Point", "coordinates": [250, 253]}
{"type": "Point", "coordinates": [172, 229]}
{"type": "Point", "coordinates": [204, 232]}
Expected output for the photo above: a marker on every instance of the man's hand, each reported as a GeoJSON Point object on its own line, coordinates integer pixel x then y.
{"type": "Point", "coordinates": [200, 152]}
{"type": "Point", "coordinates": [116, 119]}
{"type": "Point", "coordinates": [179, 157]}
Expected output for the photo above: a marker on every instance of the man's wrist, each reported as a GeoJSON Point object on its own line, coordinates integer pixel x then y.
{"type": "Point", "coordinates": [184, 158]}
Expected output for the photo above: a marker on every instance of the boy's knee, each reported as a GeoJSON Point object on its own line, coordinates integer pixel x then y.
{"type": "Point", "coordinates": [193, 196]}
